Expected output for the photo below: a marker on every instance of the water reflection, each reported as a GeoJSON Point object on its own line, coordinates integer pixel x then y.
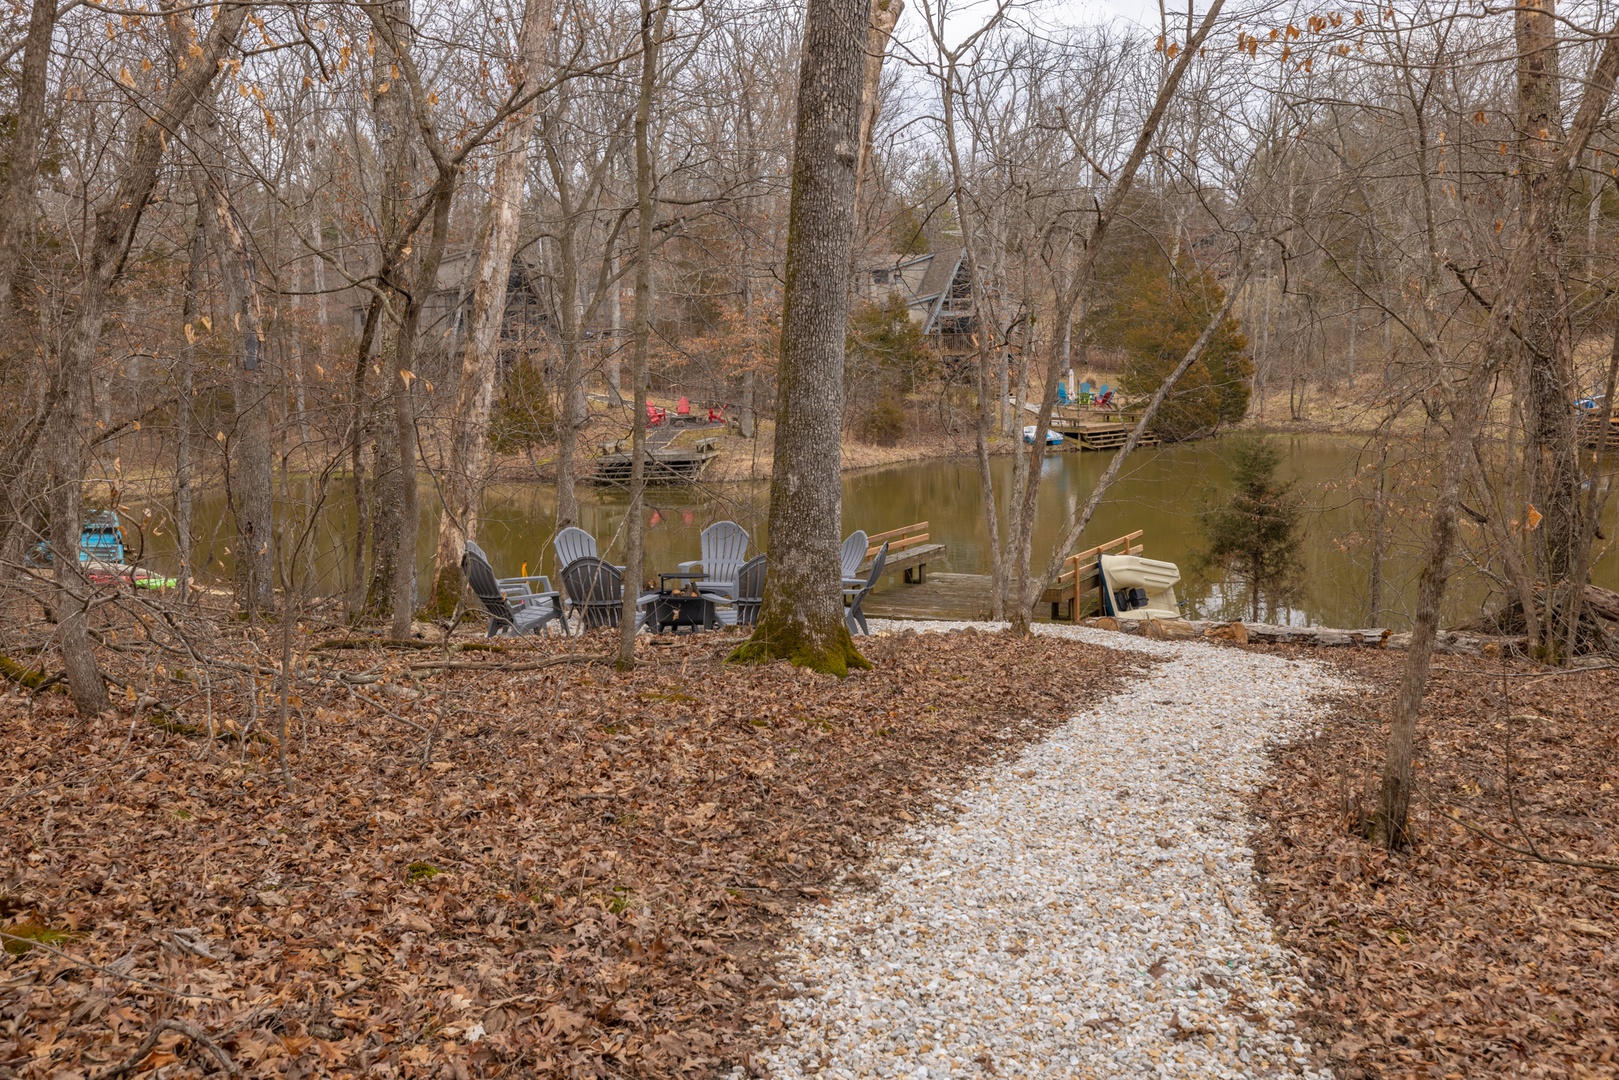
{"type": "Point", "coordinates": [1160, 491]}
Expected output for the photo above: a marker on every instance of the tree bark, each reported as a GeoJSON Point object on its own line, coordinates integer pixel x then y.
{"type": "Point", "coordinates": [653, 20]}
{"type": "Point", "coordinates": [183, 422]}
{"type": "Point", "coordinates": [480, 358]}
{"type": "Point", "coordinates": [802, 616]}
{"type": "Point", "coordinates": [884, 17]}
{"type": "Point", "coordinates": [1554, 473]}
{"type": "Point", "coordinates": [17, 201]}
{"type": "Point", "coordinates": [394, 464]}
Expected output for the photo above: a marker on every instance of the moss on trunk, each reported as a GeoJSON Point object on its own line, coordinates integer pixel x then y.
{"type": "Point", "coordinates": [790, 640]}
{"type": "Point", "coordinates": [446, 593]}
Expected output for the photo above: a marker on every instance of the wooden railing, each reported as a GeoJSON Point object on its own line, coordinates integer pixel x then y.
{"type": "Point", "coordinates": [898, 540]}
{"type": "Point", "coordinates": [1079, 574]}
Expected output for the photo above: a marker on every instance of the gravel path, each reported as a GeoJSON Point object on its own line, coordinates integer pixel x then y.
{"type": "Point", "coordinates": [1088, 910]}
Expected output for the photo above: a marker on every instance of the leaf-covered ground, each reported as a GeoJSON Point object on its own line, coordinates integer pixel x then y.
{"type": "Point", "coordinates": [1461, 958]}
{"type": "Point", "coordinates": [557, 871]}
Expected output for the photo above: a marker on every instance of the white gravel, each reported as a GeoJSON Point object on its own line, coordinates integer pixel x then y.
{"type": "Point", "coordinates": [1087, 910]}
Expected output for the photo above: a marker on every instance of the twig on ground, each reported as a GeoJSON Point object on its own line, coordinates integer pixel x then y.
{"type": "Point", "coordinates": [383, 708]}
{"type": "Point", "coordinates": [535, 665]}
{"type": "Point", "coordinates": [1529, 853]}
{"type": "Point", "coordinates": [32, 945]}
{"type": "Point", "coordinates": [190, 1031]}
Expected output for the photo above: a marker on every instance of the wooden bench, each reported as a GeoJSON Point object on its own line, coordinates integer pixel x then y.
{"type": "Point", "coordinates": [908, 550]}
{"type": "Point", "coordinates": [1079, 576]}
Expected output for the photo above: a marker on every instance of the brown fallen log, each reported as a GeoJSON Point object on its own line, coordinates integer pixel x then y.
{"type": "Point", "coordinates": [1323, 637]}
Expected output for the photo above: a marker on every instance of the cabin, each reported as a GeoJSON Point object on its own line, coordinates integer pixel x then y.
{"type": "Point", "coordinates": [938, 291]}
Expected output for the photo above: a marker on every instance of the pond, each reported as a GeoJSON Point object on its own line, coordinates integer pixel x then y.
{"type": "Point", "coordinates": [1161, 491]}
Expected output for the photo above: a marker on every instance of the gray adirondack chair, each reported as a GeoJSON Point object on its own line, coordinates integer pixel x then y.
{"type": "Point", "coordinates": [513, 606]}
{"type": "Point", "coordinates": [855, 617]}
{"type": "Point", "coordinates": [743, 608]}
{"type": "Point", "coordinates": [573, 543]}
{"type": "Point", "coordinates": [596, 593]}
{"type": "Point", "coordinates": [725, 546]}
{"type": "Point", "coordinates": [853, 554]}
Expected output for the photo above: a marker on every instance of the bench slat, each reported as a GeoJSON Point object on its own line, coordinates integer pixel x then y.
{"type": "Point", "coordinates": [895, 546]}
{"type": "Point", "coordinates": [877, 541]}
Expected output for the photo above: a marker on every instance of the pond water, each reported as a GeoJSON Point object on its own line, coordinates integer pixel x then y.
{"type": "Point", "coordinates": [1160, 491]}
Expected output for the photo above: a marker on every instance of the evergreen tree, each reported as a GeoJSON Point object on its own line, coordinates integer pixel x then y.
{"type": "Point", "coordinates": [1254, 534]}
{"type": "Point", "coordinates": [1157, 314]}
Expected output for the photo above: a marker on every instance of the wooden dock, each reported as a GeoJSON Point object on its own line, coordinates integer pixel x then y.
{"type": "Point", "coordinates": [1093, 429]}
{"type": "Point", "coordinates": [909, 552]}
{"type": "Point", "coordinates": [968, 596]}
{"type": "Point", "coordinates": [1079, 578]}
{"type": "Point", "coordinates": [668, 466]}
{"type": "Point", "coordinates": [943, 596]}
{"type": "Point", "coordinates": [1591, 429]}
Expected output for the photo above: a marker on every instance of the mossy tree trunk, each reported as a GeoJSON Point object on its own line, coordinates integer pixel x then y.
{"type": "Point", "coordinates": [802, 616]}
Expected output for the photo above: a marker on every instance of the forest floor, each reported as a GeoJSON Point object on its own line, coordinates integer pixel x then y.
{"type": "Point", "coordinates": [526, 863]}
{"type": "Point", "coordinates": [1466, 956]}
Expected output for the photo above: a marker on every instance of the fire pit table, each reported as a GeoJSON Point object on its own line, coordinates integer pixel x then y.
{"type": "Point", "coordinates": [681, 608]}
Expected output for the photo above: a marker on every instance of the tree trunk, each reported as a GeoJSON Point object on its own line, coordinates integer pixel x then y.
{"type": "Point", "coordinates": [183, 422]}
{"type": "Point", "coordinates": [67, 398]}
{"type": "Point", "coordinates": [480, 358]}
{"type": "Point", "coordinates": [568, 423]}
{"type": "Point", "coordinates": [884, 17]}
{"type": "Point", "coordinates": [653, 20]}
{"type": "Point", "coordinates": [1074, 296]}
{"type": "Point", "coordinates": [802, 616]}
{"type": "Point", "coordinates": [1552, 440]}
{"type": "Point", "coordinates": [986, 323]}
{"type": "Point", "coordinates": [395, 461]}
{"type": "Point", "coordinates": [1390, 823]}
{"type": "Point", "coordinates": [1374, 586]}
{"type": "Point", "coordinates": [28, 137]}
{"type": "Point", "coordinates": [615, 329]}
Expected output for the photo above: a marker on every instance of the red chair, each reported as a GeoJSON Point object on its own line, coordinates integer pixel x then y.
{"type": "Point", "coordinates": [654, 414]}
{"type": "Point", "coordinates": [683, 407]}
{"type": "Point", "coordinates": [716, 414]}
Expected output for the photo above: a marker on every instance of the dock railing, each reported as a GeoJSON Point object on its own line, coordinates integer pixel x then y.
{"type": "Point", "coordinates": [909, 550]}
{"type": "Point", "coordinates": [1079, 576]}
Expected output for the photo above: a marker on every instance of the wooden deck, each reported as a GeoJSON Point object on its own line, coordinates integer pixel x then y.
{"type": "Point", "coordinates": [1591, 428]}
{"type": "Point", "coordinates": [667, 466]}
{"type": "Point", "coordinates": [1093, 429]}
{"type": "Point", "coordinates": [942, 596]}
{"type": "Point", "coordinates": [967, 596]}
